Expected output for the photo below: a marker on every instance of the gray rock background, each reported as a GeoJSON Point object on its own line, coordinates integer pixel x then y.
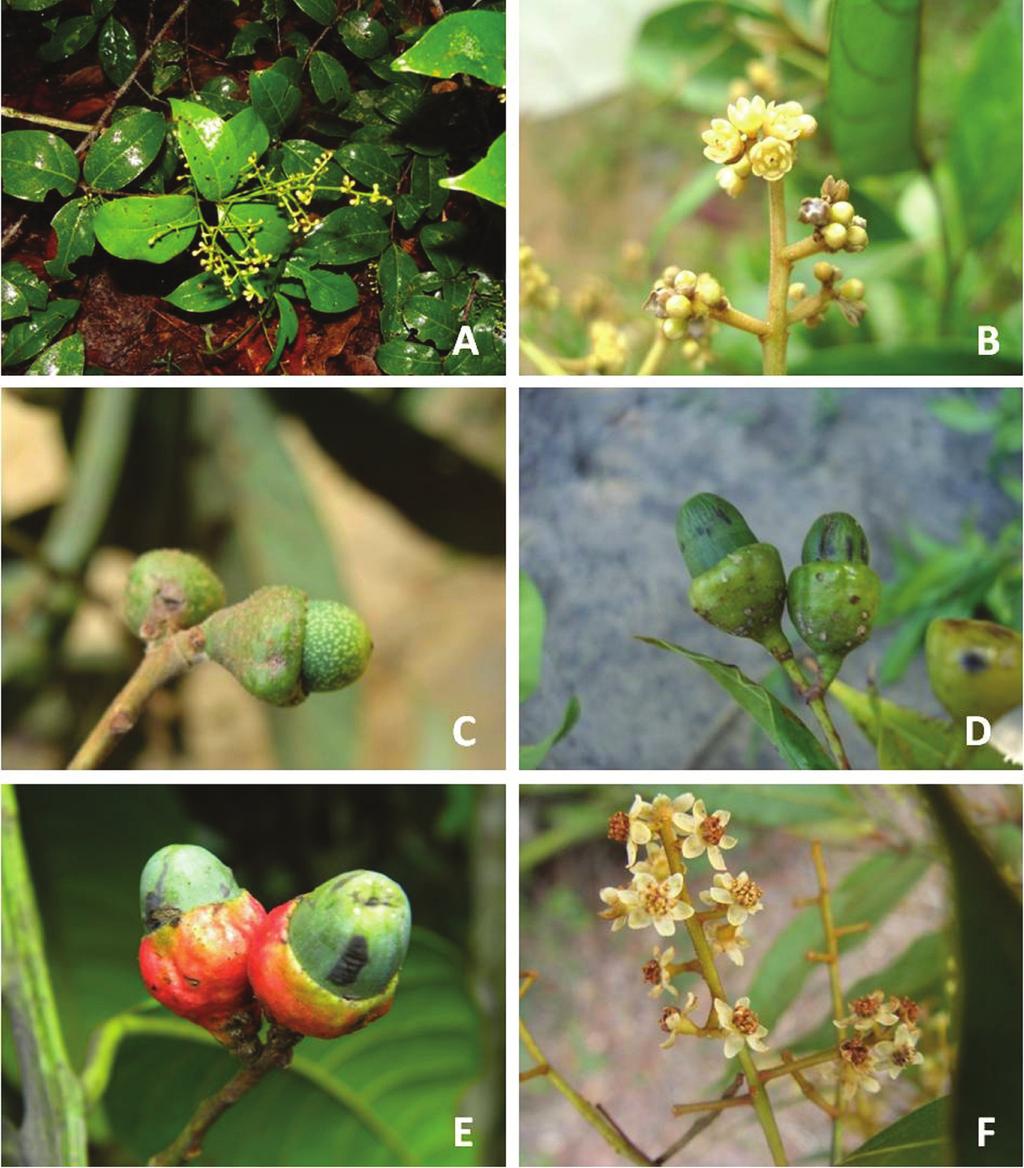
{"type": "Point", "coordinates": [602, 474]}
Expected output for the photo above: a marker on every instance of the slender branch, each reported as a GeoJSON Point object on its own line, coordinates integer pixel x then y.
{"type": "Point", "coordinates": [41, 120]}
{"type": "Point", "coordinates": [655, 354]}
{"type": "Point", "coordinates": [189, 1143]}
{"type": "Point", "coordinates": [811, 305]}
{"type": "Point", "coordinates": [818, 709]}
{"type": "Point", "coordinates": [812, 1092]}
{"type": "Point", "coordinates": [541, 359]}
{"type": "Point", "coordinates": [798, 1065]}
{"type": "Point", "coordinates": [53, 1127]}
{"type": "Point", "coordinates": [744, 1100]}
{"type": "Point", "coordinates": [741, 320]}
{"type": "Point", "coordinates": [12, 232]}
{"type": "Point", "coordinates": [776, 339]}
{"type": "Point", "coordinates": [758, 1097]}
{"type": "Point", "coordinates": [835, 985]}
{"type": "Point", "coordinates": [163, 662]}
{"type": "Point", "coordinates": [803, 249]}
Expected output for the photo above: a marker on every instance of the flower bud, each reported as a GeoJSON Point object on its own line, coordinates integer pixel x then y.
{"type": "Point", "coordinates": [834, 235]}
{"type": "Point", "coordinates": [797, 291]}
{"type": "Point", "coordinates": [856, 238]}
{"type": "Point", "coordinates": [841, 212]}
{"type": "Point", "coordinates": [685, 282]}
{"type": "Point", "coordinates": [709, 290]}
{"type": "Point", "coordinates": [679, 307]}
{"type": "Point", "coordinates": [824, 272]}
{"type": "Point", "coordinates": [852, 289]}
{"type": "Point", "coordinates": [674, 329]}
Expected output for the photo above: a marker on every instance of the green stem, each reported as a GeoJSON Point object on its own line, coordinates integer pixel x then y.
{"type": "Point", "coordinates": [798, 1065]}
{"type": "Point", "coordinates": [544, 363]}
{"type": "Point", "coordinates": [758, 1095]}
{"type": "Point", "coordinates": [655, 354]}
{"type": "Point", "coordinates": [41, 120]}
{"type": "Point", "coordinates": [782, 651]}
{"type": "Point", "coordinates": [777, 337]}
{"type": "Point", "coordinates": [835, 985]}
{"type": "Point", "coordinates": [53, 1128]}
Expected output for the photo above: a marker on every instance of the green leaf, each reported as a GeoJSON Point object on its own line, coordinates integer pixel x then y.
{"type": "Point", "coordinates": [248, 37]}
{"type": "Point", "coordinates": [872, 93]}
{"type": "Point", "coordinates": [395, 273]}
{"type": "Point", "coordinates": [28, 283]}
{"type": "Point", "coordinates": [406, 358]}
{"type": "Point", "coordinates": [362, 35]}
{"type": "Point", "coordinates": [963, 414]}
{"type": "Point", "coordinates": [29, 337]}
{"type": "Point", "coordinates": [790, 737]}
{"type": "Point", "coordinates": [987, 912]}
{"type": "Point", "coordinates": [272, 236]}
{"type": "Point", "coordinates": [141, 227]}
{"type": "Point", "coordinates": [919, 1138]}
{"type": "Point", "coordinates": [461, 42]}
{"type": "Point", "coordinates": [202, 293]}
{"type": "Point", "coordinates": [446, 245]}
{"type": "Point", "coordinates": [329, 80]}
{"type": "Point", "coordinates": [68, 37]}
{"type": "Point", "coordinates": [425, 194]}
{"type": "Point", "coordinates": [907, 740]}
{"type": "Point", "coordinates": [866, 893]}
{"type": "Point", "coordinates": [102, 8]}
{"type": "Point", "coordinates": [322, 11]}
{"type": "Point", "coordinates": [36, 162]}
{"type": "Point", "coordinates": [220, 94]}
{"type": "Point", "coordinates": [64, 359]}
{"type": "Point", "coordinates": [942, 359]}
{"type": "Point", "coordinates": [287, 329]}
{"type": "Point", "coordinates": [32, 5]}
{"type": "Point", "coordinates": [12, 300]}
{"type": "Point", "coordinates": [369, 164]}
{"type": "Point", "coordinates": [275, 95]}
{"type": "Point", "coordinates": [117, 51]}
{"type": "Point", "coordinates": [486, 179]}
{"type": "Point", "coordinates": [985, 140]}
{"type": "Point", "coordinates": [216, 150]}
{"type": "Point", "coordinates": [532, 755]}
{"type": "Point", "coordinates": [348, 235]}
{"type": "Point", "coordinates": [327, 291]}
{"type": "Point", "coordinates": [532, 619]}
{"type": "Point", "coordinates": [124, 150]}
{"type": "Point", "coordinates": [432, 320]}
{"type": "Point", "coordinates": [73, 225]}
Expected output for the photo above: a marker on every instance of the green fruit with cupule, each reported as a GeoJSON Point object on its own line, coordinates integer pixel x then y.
{"type": "Point", "coordinates": [974, 667]}
{"type": "Point", "coordinates": [168, 590]}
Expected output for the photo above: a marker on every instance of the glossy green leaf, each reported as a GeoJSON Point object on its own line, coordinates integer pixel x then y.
{"type": "Point", "coordinates": [907, 740]}
{"type": "Point", "coordinates": [36, 162]}
{"type": "Point", "coordinates": [216, 150]}
{"type": "Point", "coordinates": [326, 291]}
{"type": "Point", "coordinates": [249, 36]}
{"type": "Point", "coordinates": [287, 329]}
{"type": "Point", "coordinates": [790, 737]}
{"type": "Point", "coordinates": [395, 274]}
{"type": "Point", "coordinates": [461, 42]}
{"type": "Point", "coordinates": [68, 37]}
{"type": "Point", "coordinates": [433, 320]}
{"type": "Point", "coordinates": [322, 11]}
{"type": "Point", "coordinates": [73, 226]}
{"type": "Point", "coordinates": [329, 80]}
{"type": "Point", "coordinates": [348, 235]}
{"type": "Point", "coordinates": [29, 337]}
{"type": "Point", "coordinates": [36, 293]}
{"type": "Point", "coordinates": [165, 60]}
{"type": "Point", "coordinates": [425, 195]}
{"type": "Point", "coordinates": [985, 141]}
{"type": "Point", "coordinates": [142, 227]}
{"type": "Point", "coordinates": [369, 164]}
{"type": "Point", "coordinates": [920, 1138]}
{"type": "Point", "coordinates": [486, 179]}
{"type": "Point", "coordinates": [124, 150]}
{"type": "Point", "coordinates": [12, 300]}
{"type": "Point", "coordinates": [221, 95]}
{"type": "Point", "coordinates": [64, 359]}
{"type": "Point", "coordinates": [446, 245]}
{"type": "Point", "coordinates": [533, 754]}
{"type": "Point", "coordinates": [362, 35]}
{"type": "Point", "coordinates": [488, 360]}
{"type": "Point", "coordinates": [32, 5]}
{"type": "Point", "coordinates": [101, 8]}
{"type": "Point", "coordinates": [202, 293]}
{"type": "Point", "coordinates": [532, 619]}
{"type": "Point", "coordinates": [117, 51]}
{"type": "Point", "coordinates": [275, 95]}
{"type": "Point", "coordinates": [299, 156]}
{"type": "Point", "coordinates": [873, 77]}
{"type": "Point", "coordinates": [271, 234]}
{"type": "Point", "coordinates": [407, 359]}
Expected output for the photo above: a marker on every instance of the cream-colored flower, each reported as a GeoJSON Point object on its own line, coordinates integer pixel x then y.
{"type": "Point", "coordinates": [856, 1067]}
{"type": "Point", "coordinates": [658, 974]}
{"type": "Point", "coordinates": [869, 1011]}
{"type": "Point", "coordinates": [771, 159]}
{"type": "Point", "coordinates": [901, 1052]}
{"type": "Point", "coordinates": [638, 832]}
{"type": "Point", "coordinates": [747, 115]}
{"type": "Point", "coordinates": [705, 832]}
{"type": "Point", "coordinates": [730, 182]}
{"type": "Point", "coordinates": [617, 911]}
{"type": "Point", "coordinates": [727, 939]}
{"type": "Point", "coordinates": [723, 142]}
{"type": "Point", "coordinates": [740, 893]}
{"type": "Point", "coordinates": [664, 809]}
{"type": "Point", "coordinates": [655, 863]}
{"type": "Point", "coordinates": [674, 1020]}
{"type": "Point", "coordinates": [785, 121]}
{"type": "Point", "coordinates": [658, 904]}
{"type": "Point", "coordinates": [741, 1025]}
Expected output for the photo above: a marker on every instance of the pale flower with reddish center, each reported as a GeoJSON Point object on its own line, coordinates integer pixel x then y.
{"type": "Point", "coordinates": [740, 893]}
{"type": "Point", "coordinates": [675, 1022]}
{"type": "Point", "coordinates": [901, 1052]}
{"type": "Point", "coordinates": [741, 1025]}
{"type": "Point", "coordinates": [856, 1068]}
{"type": "Point", "coordinates": [658, 972]}
{"type": "Point", "coordinates": [869, 1011]}
{"type": "Point", "coordinates": [705, 833]}
{"type": "Point", "coordinates": [617, 911]}
{"type": "Point", "coordinates": [656, 903]}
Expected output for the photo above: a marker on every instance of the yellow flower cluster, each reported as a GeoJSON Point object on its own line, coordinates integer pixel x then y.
{"type": "Point", "coordinates": [834, 218]}
{"type": "Point", "coordinates": [232, 268]}
{"type": "Point", "coordinates": [684, 302]}
{"type": "Point", "coordinates": [758, 138]}
{"type": "Point", "coordinates": [535, 287]}
{"type": "Point", "coordinates": [608, 348]}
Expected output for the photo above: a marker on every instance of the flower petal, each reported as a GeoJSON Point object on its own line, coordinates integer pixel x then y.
{"type": "Point", "coordinates": [733, 1045]}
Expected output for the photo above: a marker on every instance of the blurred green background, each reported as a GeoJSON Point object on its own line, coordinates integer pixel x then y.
{"type": "Point", "coordinates": [919, 109]}
{"type": "Point", "coordinates": [392, 500]}
{"type": "Point", "coordinates": [385, 1095]}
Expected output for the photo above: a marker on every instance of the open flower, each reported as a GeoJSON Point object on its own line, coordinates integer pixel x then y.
{"type": "Point", "coordinates": [901, 1052]}
{"type": "Point", "coordinates": [869, 1011]}
{"type": "Point", "coordinates": [730, 181]}
{"type": "Point", "coordinates": [723, 142]}
{"type": "Point", "coordinates": [740, 893]}
{"type": "Point", "coordinates": [658, 972]}
{"type": "Point", "coordinates": [658, 904]}
{"type": "Point", "coordinates": [705, 832]}
{"type": "Point", "coordinates": [741, 1025]}
{"type": "Point", "coordinates": [655, 863]}
{"type": "Point", "coordinates": [617, 910]}
{"type": "Point", "coordinates": [727, 939]}
{"type": "Point", "coordinates": [788, 121]}
{"type": "Point", "coordinates": [771, 159]}
{"type": "Point", "coordinates": [747, 114]}
{"type": "Point", "coordinates": [856, 1067]}
{"type": "Point", "coordinates": [632, 828]}
{"type": "Point", "coordinates": [674, 1020]}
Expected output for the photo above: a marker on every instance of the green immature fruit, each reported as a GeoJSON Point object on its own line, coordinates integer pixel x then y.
{"type": "Point", "coordinates": [282, 646]}
{"type": "Point", "coordinates": [168, 590]}
{"type": "Point", "coordinates": [974, 667]}
{"type": "Point", "coordinates": [739, 584]}
{"type": "Point", "coordinates": [834, 595]}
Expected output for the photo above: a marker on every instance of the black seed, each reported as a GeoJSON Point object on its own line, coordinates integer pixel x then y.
{"type": "Point", "coordinates": [351, 962]}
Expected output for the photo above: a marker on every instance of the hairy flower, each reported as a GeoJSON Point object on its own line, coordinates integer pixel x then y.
{"type": "Point", "coordinates": [741, 1025]}
{"type": "Point", "coordinates": [674, 1020]}
{"type": "Point", "coordinates": [871, 1010]}
{"type": "Point", "coordinates": [705, 832]}
{"type": "Point", "coordinates": [723, 142]}
{"type": "Point", "coordinates": [727, 939]}
{"type": "Point", "coordinates": [740, 893]}
{"type": "Point", "coordinates": [658, 974]}
{"type": "Point", "coordinates": [900, 1052]}
{"type": "Point", "coordinates": [658, 904]}
{"type": "Point", "coordinates": [771, 159]}
{"type": "Point", "coordinates": [747, 115]}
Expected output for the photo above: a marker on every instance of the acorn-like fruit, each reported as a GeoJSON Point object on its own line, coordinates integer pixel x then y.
{"type": "Point", "coordinates": [168, 590]}
{"type": "Point", "coordinates": [834, 594]}
{"type": "Point", "coordinates": [282, 646]}
{"type": "Point", "coordinates": [327, 963]}
{"type": "Point", "coordinates": [974, 667]}
{"type": "Point", "coordinates": [193, 957]}
{"type": "Point", "coordinates": [739, 584]}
